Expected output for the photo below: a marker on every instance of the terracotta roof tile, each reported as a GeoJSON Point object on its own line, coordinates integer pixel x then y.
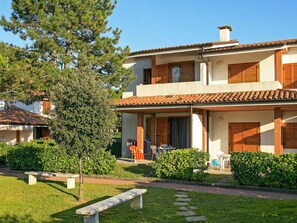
{"type": "Point", "coordinates": [251, 46]}
{"type": "Point", "coordinates": [15, 115]}
{"type": "Point", "coordinates": [234, 47]}
{"type": "Point", "coordinates": [225, 97]}
{"type": "Point", "coordinates": [188, 46]}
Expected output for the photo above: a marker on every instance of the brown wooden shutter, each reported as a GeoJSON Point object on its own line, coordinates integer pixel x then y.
{"type": "Point", "coordinates": [46, 106]}
{"type": "Point", "coordinates": [290, 75]}
{"type": "Point", "coordinates": [245, 72]}
{"type": "Point", "coordinates": [244, 137]}
{"type": "Point", "coordinates": [290, 135]}
{"type": "Point", "coordinates": [235, 74]}
{"type": "Point", "coordinates": [188, 71]}
{"type": "Point", "coordinates": [294, 69]}
{"type": "Point", "coordinates": [162, 130]}
{"type": "Point", "coordinates": [161, 74]}
{"type": "Point", "coordinates": [251, 73]}
{"type": "Point", "coordinates": [287, 76]}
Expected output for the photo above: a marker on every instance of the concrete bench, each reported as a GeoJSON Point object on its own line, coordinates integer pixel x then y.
{"type": "Point", "coordinates": [32, 177]}
{"type": "Point", "coordinates": [91, 212]}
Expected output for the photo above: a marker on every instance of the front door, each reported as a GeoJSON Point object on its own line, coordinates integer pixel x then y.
{"type": "Point", "coordinates": [244, 137]}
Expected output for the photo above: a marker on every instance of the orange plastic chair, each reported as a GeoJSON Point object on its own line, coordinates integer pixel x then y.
{"type": "Point", "coordinates": [133, 150]}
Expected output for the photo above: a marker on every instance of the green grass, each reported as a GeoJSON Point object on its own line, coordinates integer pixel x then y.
{"type": "Point", "coordinates": [133, 171]}
{"type": "Point", "coordinates": [51, 202]}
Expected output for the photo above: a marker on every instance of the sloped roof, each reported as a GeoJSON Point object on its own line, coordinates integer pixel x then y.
{"type": "Point", "coordinates": [188, 46]}
{"type": "Point", "coordinates": [18, 116]}
{"type": "Point", "coordinates": [218, 48]}
{"type": "Point", "coordinates": [279, 95]}
{"type": "Point", "coordinates": [253, 46]}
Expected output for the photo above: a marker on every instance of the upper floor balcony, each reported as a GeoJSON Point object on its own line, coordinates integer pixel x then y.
{"type": "Point", "coordinates": [197, 87]}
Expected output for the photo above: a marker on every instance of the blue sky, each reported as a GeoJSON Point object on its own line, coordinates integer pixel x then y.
{"type": "Point", "coordinates": [149, 24]}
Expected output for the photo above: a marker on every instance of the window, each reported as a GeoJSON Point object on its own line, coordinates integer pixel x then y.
{"type": "Point", "coordinates": [147, 76]}
{"type": "Point", "coordinates": [182, 72]}
{"type": "Point", "coordinates": [290, 75]}
{"type": "Point", "coordinates": [290, 135]}
{"type": "Point", "coordinates": [244, 72]}
{"type": "Point", "coordinates": [176, 73]}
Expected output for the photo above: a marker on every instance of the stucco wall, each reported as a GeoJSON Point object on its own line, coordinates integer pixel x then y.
{"type": "Point", "coordinates": [129, 123]}
{"type": "Point", "coordinates": [172, 58]}
{"type": "Point", "coordinates": [10, 136]}
{"type": "Point", "coordinates": [290, 57]}
{"type": "Point", "coordinates": [137, 65]}
{"type": "Point", "coordinates": [220, 130]}
{"type": "Point", "coordinates": [197, 131]}
{"type": "Point", "coordinates": [220, 66]}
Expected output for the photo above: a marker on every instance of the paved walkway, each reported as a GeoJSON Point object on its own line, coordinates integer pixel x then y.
{"type": "Point", "coordinates": [171, 185]}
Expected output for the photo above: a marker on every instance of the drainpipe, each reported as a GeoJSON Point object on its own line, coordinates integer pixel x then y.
{"type": "Point", "coordinates": [201, 57]}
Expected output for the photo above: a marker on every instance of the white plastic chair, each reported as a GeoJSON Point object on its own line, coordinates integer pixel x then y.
{"type": "Point", "coordinates": [154, 151]}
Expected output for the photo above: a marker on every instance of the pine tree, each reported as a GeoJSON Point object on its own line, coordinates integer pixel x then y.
{"type": "Point", "coordinates": [71, 34]}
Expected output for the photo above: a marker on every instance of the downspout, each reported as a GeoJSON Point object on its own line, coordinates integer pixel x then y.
{"type": "Point", "coordinates": [207, 132]}
{"type": "Point", "coordinates": [201, 57]}
{"type": "Point", "coordinates": [191, 125]}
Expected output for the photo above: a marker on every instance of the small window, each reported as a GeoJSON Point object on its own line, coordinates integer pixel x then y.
{"type": "Point", "coordinates": [147, 76]}
{"type": "Point", "coordinates": [176, 73]}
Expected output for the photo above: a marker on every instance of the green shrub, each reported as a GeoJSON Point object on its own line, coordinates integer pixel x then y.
{"type": "Point", "coordinates": [48, 156]}
{"type": "Point", "coordinates": [116, 147]}
{"type": "Point", "coordinates": [179, 164]}
{"type": "Point", "coordinates": [264, 169]}
{"type": "Point", "coordinates": [3, 152]}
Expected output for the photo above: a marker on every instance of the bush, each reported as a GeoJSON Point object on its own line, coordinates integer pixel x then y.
{"type": "Point", "coordinates": [179, 164]}
{"type": "Point", "coordinates": [3, 152]}
{"type": "Point", "coordinates": [116, 147]}
{"type": "Point", "coordinates": [48, 156]}
{"type": "Point", "coordinates": [264, 169]}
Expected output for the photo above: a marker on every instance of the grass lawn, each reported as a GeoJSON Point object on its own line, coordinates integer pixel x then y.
{"type": "Point", "coordinates": [51, 202]}
{"type": "Point", "coordinates": [139, 171]}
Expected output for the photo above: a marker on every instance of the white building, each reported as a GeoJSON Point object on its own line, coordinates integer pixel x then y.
{"type": "Point", "coordinates": [23, 123]}
{"type": "Point", "coordinates": [214, 96]}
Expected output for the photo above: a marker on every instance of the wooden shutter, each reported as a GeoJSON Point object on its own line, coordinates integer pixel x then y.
{"type": "Point", "coordinates": [245, 72]}
{"type": "Point", "coordinates": [188, 71]}
{"type": "Point", "coordinates": [162, 130]}
{"type": "Point", "coordinates": [290, 75]}
{"type": "Point", "coordinates": [251, 137]}
{"type": "Point", "coordinates": [46, 106]}
{"type": "Point", "coordinates": [161, 74]}
{"type": "Point", "coordinates": [244, 137]}
{"type": "Point", "coordinates": [290, 135]}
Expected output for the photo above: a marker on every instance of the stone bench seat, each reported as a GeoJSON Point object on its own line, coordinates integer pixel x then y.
{"type": "Point", "coordinates": [32, 177]}
{"type": "Point", "coordinates": [91, 212]}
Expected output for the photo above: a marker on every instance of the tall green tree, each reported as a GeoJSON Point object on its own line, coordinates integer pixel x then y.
{"type": "Point", "coordinates": [83, 119]}
{"type": "Point", "coordinates": [22, 75]}
{"type": "Point", "coordinates": [72, 34]}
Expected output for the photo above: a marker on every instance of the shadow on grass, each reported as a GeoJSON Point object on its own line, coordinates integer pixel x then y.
{"type": "Point", "coordinates": [141, 169]}
{"type": "Point", "coordinates": [69, 215]}
{"type": "Point", "coordinates": [51, 184]}
{"type": "Point", "coordinates": [16, 219]}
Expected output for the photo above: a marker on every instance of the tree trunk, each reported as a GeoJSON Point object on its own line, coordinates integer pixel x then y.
{"type": "Point", "coordinates": [81, 182]}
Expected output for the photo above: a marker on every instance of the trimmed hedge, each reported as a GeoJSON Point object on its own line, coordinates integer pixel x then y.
{"type": "Point", "coordinates": [179, 164]}
{"type": "Point", "coordinates": [265, 169]}
{"type": "Point", "coordinates": [3, 152]}
{"type": "Point", "coordinates": [48, 156]}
